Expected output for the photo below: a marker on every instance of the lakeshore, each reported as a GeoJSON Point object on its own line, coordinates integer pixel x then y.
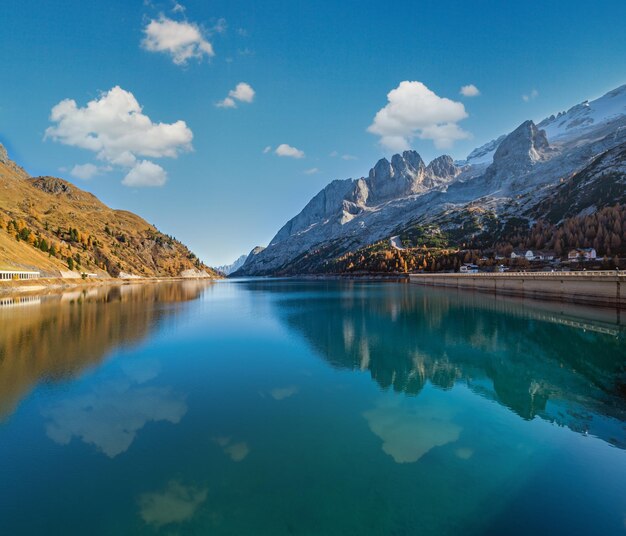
{"type": "Point", "coordinates": [604, 288]}
{"type": "Point", "coordinates": [59, 284]}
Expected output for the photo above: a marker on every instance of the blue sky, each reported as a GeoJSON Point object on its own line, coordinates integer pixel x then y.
{"type": "Point", "coordinates": [319, 72]}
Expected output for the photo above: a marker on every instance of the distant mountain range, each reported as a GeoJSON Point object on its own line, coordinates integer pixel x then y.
{"type": "Point", "coordinates": [228, 269]}
{"type": "Point", "coordinates": [569, 165]}
{"type": "Point", "coordinates": [49, 225]}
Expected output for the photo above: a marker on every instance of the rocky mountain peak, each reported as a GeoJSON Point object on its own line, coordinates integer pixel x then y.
{"type": "Point", "coordinates": [402, 176]}
{"type": "Point", "coordinates": [519, 152]}
{"type": "Point", "coordinates": [525, 141]}
{"type": "Point", "coordinates": [381, 171]}
{"type": "Point", "coordinates": [443, 167]}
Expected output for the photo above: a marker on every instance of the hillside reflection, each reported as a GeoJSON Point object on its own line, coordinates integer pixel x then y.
{"type": "Point", "coordinates": [54, 338]}
{"type": "Point", "coordinates": [532, 359]}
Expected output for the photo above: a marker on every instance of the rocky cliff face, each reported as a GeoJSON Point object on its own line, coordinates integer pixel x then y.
{"type": "Point", "coordinates": [518, 153]}
{"type": "Point", "coordinates": [509, 176]}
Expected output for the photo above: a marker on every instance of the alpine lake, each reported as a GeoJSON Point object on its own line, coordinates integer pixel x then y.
{"type": "Point", "coordinates": [287, 407]}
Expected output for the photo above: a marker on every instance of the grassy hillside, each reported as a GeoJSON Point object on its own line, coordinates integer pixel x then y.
{"type": "Point", "coordinates": [50, 225]}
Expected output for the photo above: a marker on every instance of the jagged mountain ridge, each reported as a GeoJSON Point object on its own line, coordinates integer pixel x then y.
{"type": "Point", "coordinates": [526, 169]}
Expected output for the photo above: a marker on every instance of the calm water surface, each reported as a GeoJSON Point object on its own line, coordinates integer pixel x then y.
{"type": "Point", "coordinates": [317, 408]}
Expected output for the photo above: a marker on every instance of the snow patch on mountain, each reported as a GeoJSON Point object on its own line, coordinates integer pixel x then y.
{"type": "Point", "coordinates": [586, 116]}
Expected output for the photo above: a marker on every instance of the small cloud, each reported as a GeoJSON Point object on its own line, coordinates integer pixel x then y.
{"type": "Point", "coordinates": [335, 154]}
{"type": "Point", "coordinates": [220, 26]}
{"type": "Point", "coordinates": [530, 96]}
{"type": "Point", "coordinates": [242, 32]}
{"type": "Point", "coordinates": [287, 150]}
{"type": "Point", "coordinates": [145, 174]}
{"type": "Point", "coordinates": [226, 103]}
{"type": "Point", "coordinates": [243, 92]}
{"type": "Point", "coordinates": [84, 171]}
{"type": "Point", "coordinates": [414, 111]}
{"type": "Point", "coordinates": [311, 171]}
{"type": "Point", "coordinates": [182, 41]}
{"type": "Point", "coordinates": [178, 8]}
{"type": "Point", "coordinates": [267, 149]}
{"type": "Point", "coordinates": [469, 91]}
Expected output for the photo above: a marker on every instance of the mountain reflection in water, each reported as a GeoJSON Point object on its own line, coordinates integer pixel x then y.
{"type": "Point", "coordinates": [527, 356]}
{"type": "Point", "coordinates": [55, 337]}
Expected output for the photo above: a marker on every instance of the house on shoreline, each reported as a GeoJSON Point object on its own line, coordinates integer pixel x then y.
{"type": "Point", "coordinates": [587, 254]}
{"type": "Point", "coordinates": [531, 255]}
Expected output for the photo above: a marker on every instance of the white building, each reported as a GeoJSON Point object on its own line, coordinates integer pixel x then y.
{"type": "Point", "coordinates": [528, 254]}
{"type": "Point", "coordinates": [469, 269]}
{"type": "Point", "coordinates": [10, 275]}
{"type": "Point", "coordinates": [582, 253]}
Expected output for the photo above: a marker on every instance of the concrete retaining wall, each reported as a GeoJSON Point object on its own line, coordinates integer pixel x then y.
{"type": "Point", "coordinates": [598, 288]}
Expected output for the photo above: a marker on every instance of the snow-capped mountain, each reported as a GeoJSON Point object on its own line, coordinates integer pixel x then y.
{"type": "Point", "coordinates": [507, 176]}
{"type": "Point", "coordinates": [588, 117]}
{"type": "Point", "coordinates": [581, 121]}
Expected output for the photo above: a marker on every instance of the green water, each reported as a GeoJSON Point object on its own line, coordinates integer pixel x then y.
{"type": "Point", "coordinates": [319, 408]}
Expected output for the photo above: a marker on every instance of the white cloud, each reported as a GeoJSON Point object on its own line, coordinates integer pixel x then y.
{"type": "Point", "coordinates": [145, 173]}
{"type": "Point", "coordinates": [311, 171]}
{"type": "Point", "coordinates": [226, 103]}
{"type": "Point", "coordinates": [414, 111]}
{"type": "Point", "coordinates": [181, 40]}
{"type": "Point", "coordinates": [348, 157]}
{"type": "Point", "coordinates": [333, 154]}
{"type": "Point", "coordinates": [530, 96]}
{"type": "Point", "coordinates": [84, 171]}
{"type": "Point", "coordinates": [243, 92]}
{"type": "Point", "coordinates": [267, 149]}
{"type": "Point", "coordinates": [115, 128]}
{"type": "Point", "coordinates": [287, 150]}
{"type": "Point", "coordinates": [470, 91]}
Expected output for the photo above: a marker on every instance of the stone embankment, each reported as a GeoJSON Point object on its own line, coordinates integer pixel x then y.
{"type": "Point", "coordinates": [606, 288]}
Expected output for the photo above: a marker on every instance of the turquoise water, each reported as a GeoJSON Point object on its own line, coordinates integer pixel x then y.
{"type": "Point", "coordinates": [283, 407]}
